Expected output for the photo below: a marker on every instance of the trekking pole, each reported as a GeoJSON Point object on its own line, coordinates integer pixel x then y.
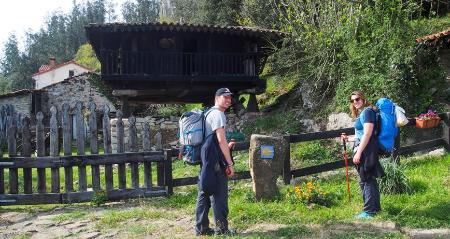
{"type": "Point", "coordinates": [344, 146]}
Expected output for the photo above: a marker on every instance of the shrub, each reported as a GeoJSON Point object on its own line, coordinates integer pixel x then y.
{"type": "Point", "coordinates": [395, 181]}
{"type": "Point", "coordinates": [315, 151]}
{"type": "Point", "coordinates": [310, 193]}
{"type": "Point", "coordinates": [272, 124]}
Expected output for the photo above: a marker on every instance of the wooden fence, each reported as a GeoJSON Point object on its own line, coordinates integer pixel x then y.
{"type": "Point", "coordinates": [289, 173]}
{"type": "Point", "coordinates": [59, 164]}
{"type": "Point", "coordinates": [108, 170]}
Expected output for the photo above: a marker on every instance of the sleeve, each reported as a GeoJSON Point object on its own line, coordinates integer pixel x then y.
{"type": "Point", "coordinates": [218, 120]}
{"type": "Point", "coordinates": [368, 116]}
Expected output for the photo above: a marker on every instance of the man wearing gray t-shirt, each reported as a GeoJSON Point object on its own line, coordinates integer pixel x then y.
{"type": "Point", "coordinates": [215, 123]}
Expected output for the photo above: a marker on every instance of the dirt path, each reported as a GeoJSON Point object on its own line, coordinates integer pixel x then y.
{"type": "Point", "coordinates": [124, 221]}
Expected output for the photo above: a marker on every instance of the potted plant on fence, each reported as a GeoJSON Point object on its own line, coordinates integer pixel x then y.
{"type": "Point", "coordinates": [429, 120]}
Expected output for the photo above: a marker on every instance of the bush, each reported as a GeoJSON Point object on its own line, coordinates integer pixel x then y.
{"type": "Point", "coordinates": [272, 124]}
{"type": "Point", "coordinates": [395, 181]}
{"type": "Point", "coordinates": [315, 151]}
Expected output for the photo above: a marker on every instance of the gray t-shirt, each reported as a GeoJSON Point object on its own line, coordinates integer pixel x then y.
{"type": "Point", "coordinates": [214, 120]}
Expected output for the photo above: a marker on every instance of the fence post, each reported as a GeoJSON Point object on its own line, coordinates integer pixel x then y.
{"type": "Point", "coordinates": [107, 145]}
{"type": "Point", "coordinates": [54, 149]}
{"type": "Point", "coordinates": [94, 145]}
{"type": "Point", "coordinates": [66, 121]}
{"type": "Point", "coordinates": [40, 150]}
{"type": "Point", "coordinates": [79, 119]}
{"type": "Point", "coordinates": [147, 147]}
{"type": "Point", "coordinates": [287, 175]}
{"type": "Point", "coordinates": [121, 149]}
{"type": "Point", "coordinates": [159, 166]}
{"type": "Point", "coordinates": [26, 152]}
{"type": "Point", "coordinates": [446, 133]}
{"type": "Point", "coordinates": [133, 148]}
{"type": "Point", "coordinates": [168, 171]}
{"type": "Point", "coordinates": [12, 151]}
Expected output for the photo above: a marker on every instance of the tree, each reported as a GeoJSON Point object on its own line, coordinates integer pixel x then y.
{"type": "Point", "coordinates": [140, 11]}
{"type": "Point", "coordinates": [86, 56]}
{"type": "Point", "coordinates": [11, 55]}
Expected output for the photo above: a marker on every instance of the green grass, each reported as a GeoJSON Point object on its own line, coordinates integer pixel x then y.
{"type": "Point", "coordinates": [426, 207]}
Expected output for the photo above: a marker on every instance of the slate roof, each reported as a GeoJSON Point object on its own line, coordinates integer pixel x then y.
{"type": "Point", "coordinates": [184, 27]}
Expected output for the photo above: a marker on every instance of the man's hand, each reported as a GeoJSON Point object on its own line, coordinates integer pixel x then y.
{"type": "Point", "coordinates": [231, 144]}
{"type": "Point", "coordinates": [230, 171]}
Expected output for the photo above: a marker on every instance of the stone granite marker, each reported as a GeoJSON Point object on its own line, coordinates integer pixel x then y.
{"type": "Point", "coordinates": [266, 164]}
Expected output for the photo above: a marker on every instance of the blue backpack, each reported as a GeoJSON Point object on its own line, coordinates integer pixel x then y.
{"type": "Point", "coordinates": [386, 129]}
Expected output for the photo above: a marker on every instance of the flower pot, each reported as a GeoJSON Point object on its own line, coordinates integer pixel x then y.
{"type": "Point", "coordinates": [427, 123]}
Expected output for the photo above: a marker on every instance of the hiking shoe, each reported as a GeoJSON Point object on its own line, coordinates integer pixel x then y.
{"type": "Point", "coordinates": [227, 232]}
{"type": "Point", "coordinates": [364, 215]}
{"type": "Point", "coordinates": [207, 232]}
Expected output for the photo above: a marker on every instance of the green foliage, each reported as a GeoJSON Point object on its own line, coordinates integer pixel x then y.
{"type": "Point", "coordinates": [99, 198]}
{"type": "Point", "coordinates": [395, 181]}
{"type": "Point", "coordinates": [272, 124]}
{"type": "Point", "coordinates": [86, 56]}
{"type": "Point", "coordinates": [140, 11]}
{"type": "Point", "coordinates": [315, 152]}
{"type": "Point", "coordinates": [338, 47]}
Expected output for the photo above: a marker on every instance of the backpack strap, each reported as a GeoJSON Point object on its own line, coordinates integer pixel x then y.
{"type": "Point", "coordinates": [204, 120]}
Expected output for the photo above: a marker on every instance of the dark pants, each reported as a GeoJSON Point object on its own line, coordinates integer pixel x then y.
{"type": "Point", "coordinates": [371, 195]}
{"type": "Point", "coordinates": [219, 204]}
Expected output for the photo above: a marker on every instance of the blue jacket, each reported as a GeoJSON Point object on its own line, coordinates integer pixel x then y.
{"type": "Point", "coordinates": [213, 164]}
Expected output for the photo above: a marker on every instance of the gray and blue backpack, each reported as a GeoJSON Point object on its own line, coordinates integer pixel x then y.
{"type": "Point", "coordinates": [191, 135]}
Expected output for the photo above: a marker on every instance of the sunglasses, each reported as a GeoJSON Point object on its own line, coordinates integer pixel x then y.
{"type": "Point", "coordinates": [355, 100]}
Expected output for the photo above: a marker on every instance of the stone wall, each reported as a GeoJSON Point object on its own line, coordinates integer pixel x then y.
{"type": "Point", "coordinates": [70, 91]}
{"type": "Point", "coordinates": [167, 127]}
{"type": "Point", "coordinates": [22, 103]}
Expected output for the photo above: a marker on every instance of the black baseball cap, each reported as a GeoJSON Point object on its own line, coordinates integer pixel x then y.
{"type": "Point", "coordinates": [223, 91]}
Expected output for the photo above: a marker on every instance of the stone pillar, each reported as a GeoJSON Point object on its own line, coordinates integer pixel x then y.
{"type": "Point", "coordinates": [266, 157]}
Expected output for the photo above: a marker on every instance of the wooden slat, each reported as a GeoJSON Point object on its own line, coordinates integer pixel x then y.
{"type": "Point", "coordinates": [54, 148]}
{"type": "Point", "coordinates": [40, 150]}
{"type": "Point", "coordinates": [295, 138]}
{"type": "Point", "coordinates": [67, 145]}
{"type": "Point", "coordinates": [94, 145]}
{"type": "Point", "coordinates": [421, 146]}
{"type": "Point", "coordinates": [146, 144]}
{"type": "Point", "coordinates": [82, 160]}
{"type": "Point", "coordinates": [12, 151]}
{"type": "Point", "coordinates": [30, 199]}
{"type": "Point", "coordinates": [26, 152]}
{"type": "Point", "coordinates": [168, 172]}
{"type": "Point", "coordinates": [67, 129]}
{"type": "Point", "coordinates": [2, 180]}
{"type": "Point", "coordinates": [133, 148]}
{"type": "Point", "coordinates": [82, 180]}
{"type": "Point", "coordinates": [120, 149]}
{"type": "Point", "coordinates": [287, 175]}
{"type": "Point", "coordinates": [320, 168]}
{"type": "Point", "coordinates": [106, 130]}
{"type": "Point", "coordinates": [109, 181]}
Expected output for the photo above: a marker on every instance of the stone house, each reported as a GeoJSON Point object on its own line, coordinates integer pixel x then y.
{"type": "Point", "coordinates": [53, 73]}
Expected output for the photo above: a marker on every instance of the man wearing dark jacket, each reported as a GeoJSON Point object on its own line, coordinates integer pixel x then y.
{"type": "Point", "coordinates": [216, 159]}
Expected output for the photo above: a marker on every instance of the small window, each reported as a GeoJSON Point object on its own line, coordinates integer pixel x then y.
{"type": "Point", "coordinates": [71, 73]}
{"type": "Point", "coordinates": [166, 43]}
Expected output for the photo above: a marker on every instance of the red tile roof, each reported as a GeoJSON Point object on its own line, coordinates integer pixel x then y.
{"type": "Point", "coordinates": [434, 37]}
{"type": "Point", "coordinates": [46, 68]}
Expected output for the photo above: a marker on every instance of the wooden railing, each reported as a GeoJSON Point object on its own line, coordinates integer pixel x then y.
{"type": "Point", "coordinates": [104, 166]}
{"type": "Point", "coordinates": [289, 173]}
{"type": "Point", "coordinates": [179, 64]}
